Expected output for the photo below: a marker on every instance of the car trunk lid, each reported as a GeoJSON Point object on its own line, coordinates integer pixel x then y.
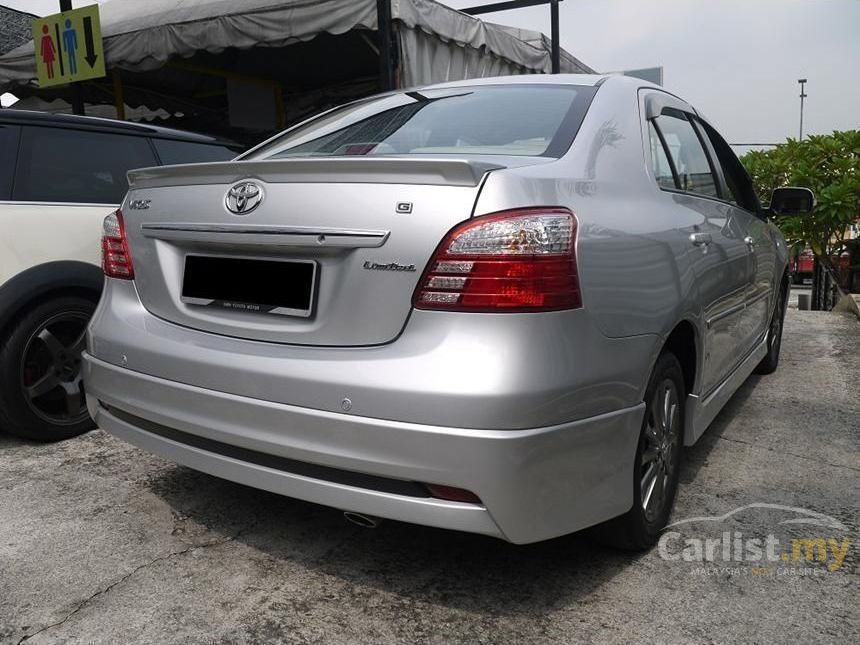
{"type": "Point", "coordinates": [347, 237]}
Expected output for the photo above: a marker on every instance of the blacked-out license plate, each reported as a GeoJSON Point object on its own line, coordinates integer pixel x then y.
{"type": "Point", "coordinates": [282, 287]}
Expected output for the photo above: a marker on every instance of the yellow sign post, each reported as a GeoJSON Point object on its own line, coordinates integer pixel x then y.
{"type": "Point", "coordinates": [69, 47]}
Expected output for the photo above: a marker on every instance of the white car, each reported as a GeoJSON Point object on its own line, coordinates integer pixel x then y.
{"type": "Point", "coordinates": [59, 177]}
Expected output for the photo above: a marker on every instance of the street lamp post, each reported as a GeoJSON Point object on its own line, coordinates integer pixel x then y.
{"type": "Point", "coordinates": [802, 82]}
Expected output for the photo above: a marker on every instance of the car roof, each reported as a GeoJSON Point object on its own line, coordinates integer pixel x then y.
{"type": "Point", "coordinates": [10, 116]}
{"type": "Point", "coordinates": [589, 80]}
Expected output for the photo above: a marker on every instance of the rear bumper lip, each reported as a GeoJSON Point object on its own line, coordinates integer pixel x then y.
{"type": "Point", "coordinates": [535, 484]}
{"type": "Point", "coordinates": [427, 511]}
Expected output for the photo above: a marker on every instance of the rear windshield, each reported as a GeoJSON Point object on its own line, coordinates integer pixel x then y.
{"type": "Point", "coordinates": [172, 151]}
{"type": "Point", "coordinates": [526, 120]}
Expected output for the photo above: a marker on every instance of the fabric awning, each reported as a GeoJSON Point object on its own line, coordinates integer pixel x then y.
{"type": "Point", "coordinates": [142, 36]}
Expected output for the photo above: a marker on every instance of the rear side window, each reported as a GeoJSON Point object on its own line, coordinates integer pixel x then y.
{"type": "Point", "coordinates": [660, 163]}
{"type": "Point", "coordinates": [174, 152]}
{"type": "Point", "coordinates": [533, 120]}
{"type": "Point", "coordinates": [57, 165]}
{"type": "Point", "coordinates": [741, 190]}
{"type": "Point", "coordinates": [691, 164]}
{"type": "Point", "coordinates": [8, 151]}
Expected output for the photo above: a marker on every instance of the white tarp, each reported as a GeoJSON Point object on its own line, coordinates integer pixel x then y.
{"type": "Point", "coordinates": [437, 43]}
{"type": "Point", "coordinates": [59, 106]}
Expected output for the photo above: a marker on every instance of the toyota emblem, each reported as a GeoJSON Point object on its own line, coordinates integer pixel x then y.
{"type": "Point", "coordinates": [242, 198]}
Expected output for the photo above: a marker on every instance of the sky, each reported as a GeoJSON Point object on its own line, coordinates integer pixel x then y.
{"type": "Point", "coordinates": [737, 61]}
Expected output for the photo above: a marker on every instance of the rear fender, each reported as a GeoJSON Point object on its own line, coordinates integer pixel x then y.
{"type": "Point", "coordinates": [38, 282]}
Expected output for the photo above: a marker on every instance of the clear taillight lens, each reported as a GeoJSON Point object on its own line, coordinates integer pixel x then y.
{"type": "Point", "coordinates": [519, 260]}
{"type": "Point", "coordinates": [116, 259]}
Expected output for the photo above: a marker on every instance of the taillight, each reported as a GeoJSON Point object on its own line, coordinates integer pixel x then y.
{"type": "Point", "coordinates": [116, 259]}
{"type": "Point", "coordinates": [514, 261]}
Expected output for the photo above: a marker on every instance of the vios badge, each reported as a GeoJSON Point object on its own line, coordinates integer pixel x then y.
{"type": "Point", "coordinates": [243, 198]}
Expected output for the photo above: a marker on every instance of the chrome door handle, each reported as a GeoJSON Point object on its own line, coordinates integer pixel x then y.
{"type": "Point", "coordinates": [700, 239]}
{"type": "Point", "coordinates": [749, 242]}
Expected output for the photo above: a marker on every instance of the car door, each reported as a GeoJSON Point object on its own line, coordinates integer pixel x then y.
{"type": "Point", "coordinates": [715, 232]}
{"type": "Point", "coordinates": [763, 288]}
{"type": "Point", "coordinates": [761, 247]}
{"type": "Point", "coordinates": [8, 153]}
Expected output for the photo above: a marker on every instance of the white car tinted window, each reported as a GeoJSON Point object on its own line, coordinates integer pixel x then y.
{"type": "Point", "coordinates": [63, 165]}
{"type": "Point", "coordinates": [8, 150]}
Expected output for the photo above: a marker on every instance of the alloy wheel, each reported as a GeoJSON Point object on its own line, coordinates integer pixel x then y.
{"type": "Point", "coordinates": [51, 369]}
{"type": "Point", "coordinates": [659, 454]}
{"type": "Point", "coordinates": [775, 332]}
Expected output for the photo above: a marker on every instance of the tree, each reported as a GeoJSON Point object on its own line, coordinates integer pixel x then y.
{"type": "Point", "coordinates": [830, 166]}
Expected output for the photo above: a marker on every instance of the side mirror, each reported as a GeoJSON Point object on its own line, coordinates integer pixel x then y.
{"type": "Point", "coordinates": [792, 201]}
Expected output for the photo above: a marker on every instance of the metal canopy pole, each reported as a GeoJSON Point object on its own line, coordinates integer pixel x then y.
{"type": "Point", "coordinates": [504, 6]}
{"type": "Point", "coordinates": [383, 24]}
{"type": "Point", "coordinates": [520, 4]}
{"type": "Point", "coordinates": [556, 49]}
{"type": "Point", "coordinates": [77, 97]}
{"type": "Point", "coordinates": [118, 99]}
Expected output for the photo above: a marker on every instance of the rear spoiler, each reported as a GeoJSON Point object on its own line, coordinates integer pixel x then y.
{"type": "Point", "coordinates": [354, 170]}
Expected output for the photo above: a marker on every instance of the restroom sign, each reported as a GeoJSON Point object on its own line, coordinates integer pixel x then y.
{"type": "Point", "coordinates": [69, 47]}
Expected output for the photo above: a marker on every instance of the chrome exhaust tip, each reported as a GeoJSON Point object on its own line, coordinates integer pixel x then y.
{"type": "Point", "coordinates": [364, 521]}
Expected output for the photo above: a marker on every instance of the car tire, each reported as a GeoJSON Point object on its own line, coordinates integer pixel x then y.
{"type": "Point", "coordinates": [41, 394]}
{"type": "Point", "coordinates": [657, 463]}
{"type": "Point", "coordinates": [770, 362]}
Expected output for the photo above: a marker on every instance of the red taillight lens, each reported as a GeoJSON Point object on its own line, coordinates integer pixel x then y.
{"type": "Point", "coordinates": [116, 259]}
{"type": "Point", "coordinates": [514, 261]}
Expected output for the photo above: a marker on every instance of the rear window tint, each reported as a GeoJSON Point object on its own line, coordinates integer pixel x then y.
{"type": "Point", "coordinates": [174, 152]}
{"type": "Point", "coordinates": [57, 165]}
{"type": "Point", "coordinates": [8, 151]}
{"type": "Point", "coordinates": [526, 120]}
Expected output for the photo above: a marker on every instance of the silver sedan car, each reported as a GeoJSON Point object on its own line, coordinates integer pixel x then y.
{"type": "Point", "coordinates": [498, 306]}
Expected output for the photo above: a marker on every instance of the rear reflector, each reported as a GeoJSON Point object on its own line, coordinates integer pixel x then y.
{"type": "Point", "coordinates": [514, 261]}
{"type": "Point", "coordinates": [116, 259]}
{"type": "Point", "coordinates": [453, 494]}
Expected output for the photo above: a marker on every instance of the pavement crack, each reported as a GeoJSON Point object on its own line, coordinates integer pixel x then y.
{"type": "Point", "coordinates": [790, 454]}
{"type": "Point", "coordinates": [102, 592]}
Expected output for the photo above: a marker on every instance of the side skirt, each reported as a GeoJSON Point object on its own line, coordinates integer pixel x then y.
{"type": "Point", "coordinates": [700, 412]}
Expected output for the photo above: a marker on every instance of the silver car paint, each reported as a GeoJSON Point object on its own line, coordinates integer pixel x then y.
{"type": "Point", "coordinates": [440, 371]}
{"type": "Point", "coordinates": [352, 222]}
{"type": "Point", "coordinates": [534, 484]}
{"type": "Point", "coordinates": [561, 391]}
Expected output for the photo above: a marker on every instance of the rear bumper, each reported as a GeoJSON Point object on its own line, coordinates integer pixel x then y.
{"type": "Point", "coordinates": [490, 371]}
{"type": "Point", "coordinates": [534, 484]}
